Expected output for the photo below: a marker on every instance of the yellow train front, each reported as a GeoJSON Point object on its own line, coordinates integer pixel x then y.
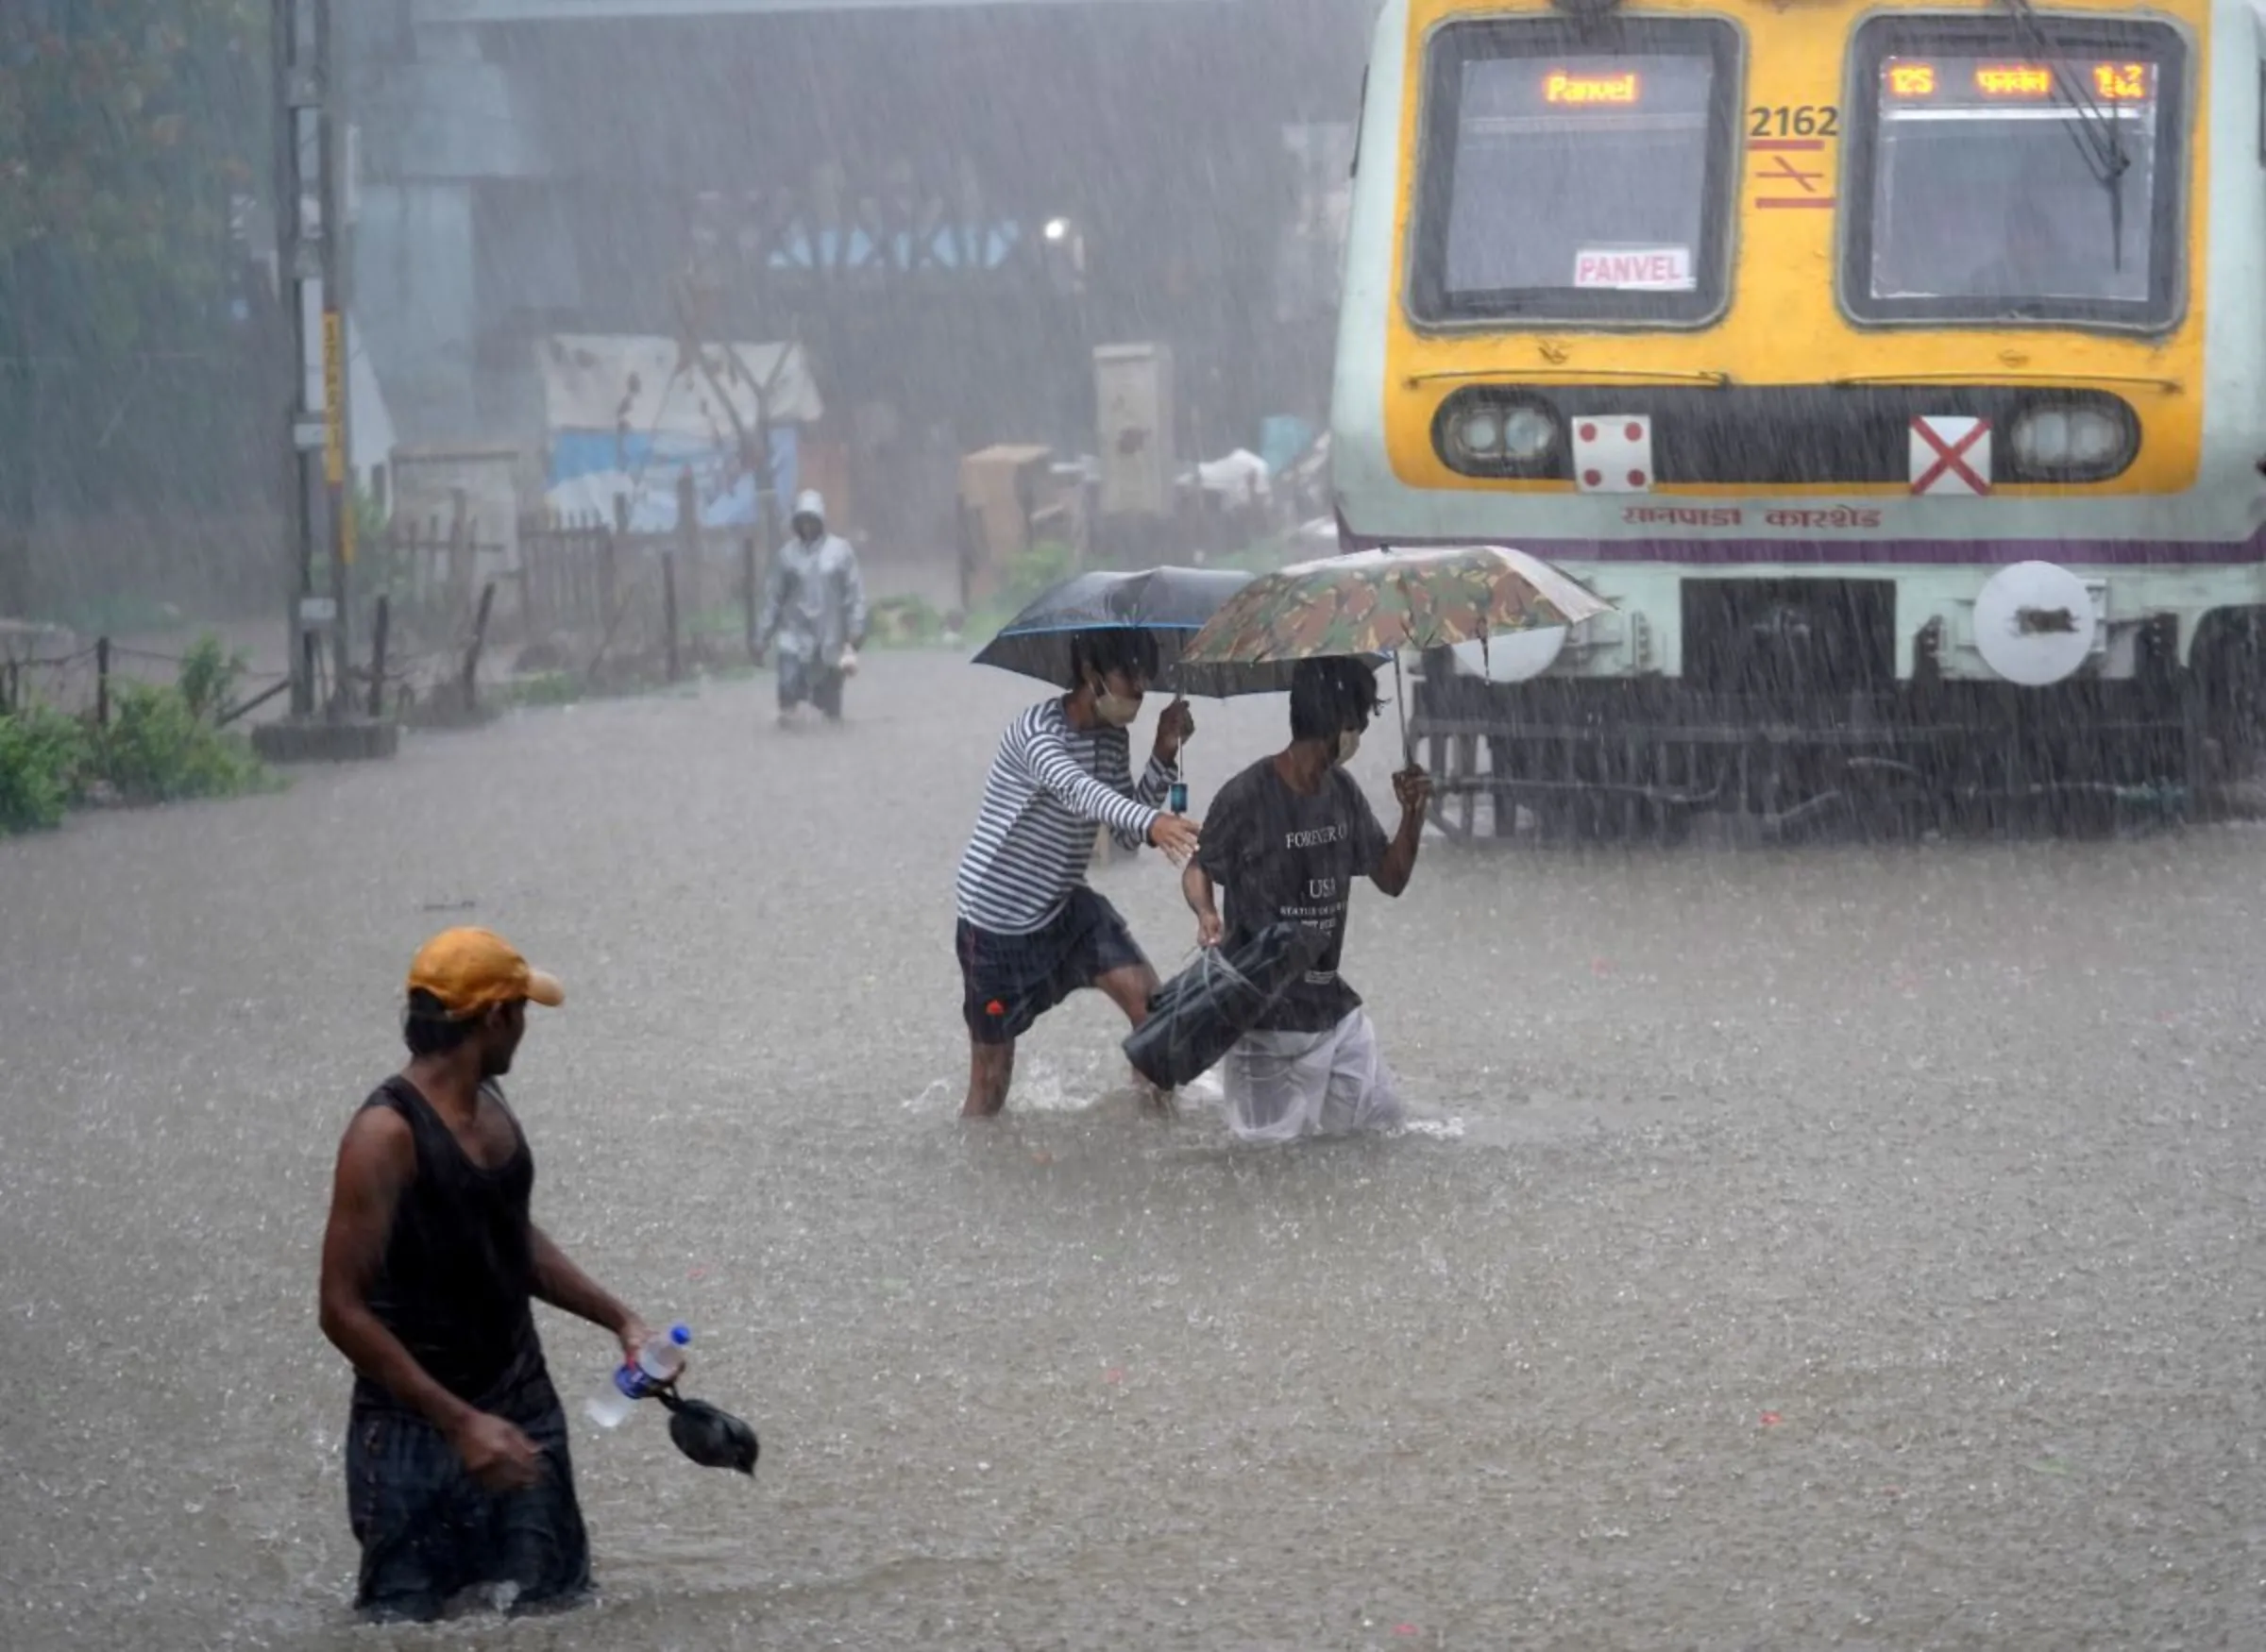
{"type": "Point", "coordinates": [1895, 370]}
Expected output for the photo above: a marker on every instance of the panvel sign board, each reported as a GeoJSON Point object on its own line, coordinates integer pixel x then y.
{"type": "Point", "coordinates": [1634, 269]}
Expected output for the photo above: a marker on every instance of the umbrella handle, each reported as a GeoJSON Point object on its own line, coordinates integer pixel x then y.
{"type": "Point", "coordinates": [1401, 703]}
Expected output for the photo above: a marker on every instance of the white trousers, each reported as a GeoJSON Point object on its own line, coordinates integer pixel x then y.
{"type": "Point", "coordinates": [1281, 1086]}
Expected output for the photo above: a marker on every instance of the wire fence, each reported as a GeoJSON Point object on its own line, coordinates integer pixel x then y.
{"type": "Point", "coordinates": [79, 683]}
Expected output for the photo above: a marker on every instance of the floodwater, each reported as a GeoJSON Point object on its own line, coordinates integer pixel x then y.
{"type": "Point", "coordinates": [1842, 1247]}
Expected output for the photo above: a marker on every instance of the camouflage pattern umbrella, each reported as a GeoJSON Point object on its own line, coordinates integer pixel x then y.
{"type": "Point", "coordinates": [1382, 602]}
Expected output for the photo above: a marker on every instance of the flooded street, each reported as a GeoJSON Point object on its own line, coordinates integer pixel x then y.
{"type": "Point", "coordinates": [1844, 1247]}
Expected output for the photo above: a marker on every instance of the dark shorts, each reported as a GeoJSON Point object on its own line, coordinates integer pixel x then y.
{"type": "Point", "coordinates": [801, 679]}
{"type": "Point", "coordinates": [428, 1531]}
{"type": "Point", "coordinates": [1009, 981]}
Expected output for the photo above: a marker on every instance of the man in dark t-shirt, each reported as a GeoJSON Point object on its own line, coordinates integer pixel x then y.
{"type": "Point", "coordinates": [1284, 840]}
{"type": "Point", "coordinates": [457, 1468]}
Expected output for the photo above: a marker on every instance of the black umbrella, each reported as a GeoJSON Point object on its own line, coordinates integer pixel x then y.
{"type": "Point", "coordinates": [1171, 604]}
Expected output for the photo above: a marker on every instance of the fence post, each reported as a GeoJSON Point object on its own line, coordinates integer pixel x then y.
{"type": "Point", "coordinates": [461, 556]}
{"type": "Point", "coordinates": [746, 576]}
{"type": "Point", "coordinates": [102, 682]}
{"type": "Point", "coordinates": [377, 627]}
{"type": "Point", "coordinates": [669, 610]}
{"type": "Point", "coordinates": [689, 560]}
{"type": "Point", "coordinates": [607, 551]}
{"type": "Point", "coordinates": [480, 636]}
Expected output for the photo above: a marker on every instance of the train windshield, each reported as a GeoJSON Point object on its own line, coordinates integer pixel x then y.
{"type": "Point", "coordinates": [1575, 175]}
{"type": "Point", "coordinates": [2029, 177]}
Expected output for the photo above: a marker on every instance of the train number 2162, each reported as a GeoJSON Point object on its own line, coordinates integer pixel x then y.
{"type": "Point", "coordinates": [1798, 119]}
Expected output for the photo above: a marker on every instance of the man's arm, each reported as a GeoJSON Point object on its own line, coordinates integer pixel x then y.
{"type": "Point", "coordinates": [1151, 789]}
{"type": "Point", "coordinates": [1412, 788]}
{"type": "Point", "coordinates": [1195, 888]}
{"type": "Point", "coordinates": [1174, 729]}
{"type": "Point", "coordinates": [1047, 760]}
{"type": "Point", "coordinates": [567, 1288]}
{"type": "Point", "coordinates": [376, 1161]}
{"type": "Point", "coordinates": [1214, 858]}
{"type": "Point", "coordinates": [1054, 772]}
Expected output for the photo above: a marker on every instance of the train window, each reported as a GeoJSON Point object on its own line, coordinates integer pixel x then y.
{"type": "Point", "coordinates": [2013, 171]}
{"type": "Point", "coordinates": [1575, 170]}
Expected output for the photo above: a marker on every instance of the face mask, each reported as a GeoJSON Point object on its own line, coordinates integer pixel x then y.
{"type": "Point", "coordinates": [1117, 709]}
{"type": "Point", "coordinates": [1350, 741]}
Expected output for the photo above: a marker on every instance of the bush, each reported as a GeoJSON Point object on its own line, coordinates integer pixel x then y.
{"type": "Point", "coordinates": [161, 747]}
{"type": "Point", "coordinates": [911, 619]}
{"type": "Point", "coordinates": [42, 756]}
{"type": "Point", "coordinates": [162, 744]}
{"type": "Point", "coordinates": [165, 744]}
{"type": "Point", "coordinates": [1032, 571]}
{"type": "Point", "coordinates": [208, 679]}
{"type": "Point", "coordinates": [544, 689]}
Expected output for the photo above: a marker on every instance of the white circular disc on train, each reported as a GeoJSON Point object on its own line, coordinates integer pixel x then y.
{"type": "Point", "coordinates": [1514, 656]}
{"type": "Point", "coordinates": [2034, 623]}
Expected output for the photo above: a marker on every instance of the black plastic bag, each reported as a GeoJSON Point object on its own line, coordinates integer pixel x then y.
{"type": "Point", "coordinates": [713, 1439]}
{"type": "Point", "coordinates": [1197, 1016]}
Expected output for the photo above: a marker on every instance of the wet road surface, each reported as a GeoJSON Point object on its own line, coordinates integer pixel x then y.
{"type": "Point", "coordinates": [1841, 1247]}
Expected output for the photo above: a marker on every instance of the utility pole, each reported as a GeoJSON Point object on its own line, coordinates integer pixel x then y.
{"type": "Point", "coordinates": [315, 276]}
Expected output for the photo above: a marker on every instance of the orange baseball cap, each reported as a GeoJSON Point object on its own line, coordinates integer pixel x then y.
{"type": "Point", "coordinates": [470, 971]}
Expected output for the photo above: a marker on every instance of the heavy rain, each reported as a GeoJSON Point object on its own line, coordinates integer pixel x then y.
{"type": "Point", "coordinates": [943, 565]}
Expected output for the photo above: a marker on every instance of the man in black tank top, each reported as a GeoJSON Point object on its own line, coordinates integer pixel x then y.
{"type": "Point", "coordinates": [457, 1469]}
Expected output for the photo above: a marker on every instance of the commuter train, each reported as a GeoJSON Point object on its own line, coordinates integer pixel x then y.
{"type": "Point", "coordinates": [1894, 369]}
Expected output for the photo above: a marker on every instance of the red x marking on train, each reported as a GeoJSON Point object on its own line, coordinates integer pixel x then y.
{"type": "Point", "coordinates": [1949, 465]}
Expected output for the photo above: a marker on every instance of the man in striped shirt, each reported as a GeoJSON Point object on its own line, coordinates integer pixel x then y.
{"type": "Point", "coordinates": [1031, 932]}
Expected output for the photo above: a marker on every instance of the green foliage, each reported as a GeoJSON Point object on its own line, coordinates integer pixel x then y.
{"type": "Point", "coordinates": [157, 749]}
{"type": "Point", "coordinates": [163, 742]}
{"type": "Point", "coordinates": [43, 755]}
{"type": "Point", "coordinates": [126, 128]}
{"type": "Point", "coordinates": [1034, 568]}
{"type": "Point", "coordinates": [904, 621]}
{"type": "Point", "coordinates": [208, 679]}
{"type": "Point", "coordinates": [544, 689]}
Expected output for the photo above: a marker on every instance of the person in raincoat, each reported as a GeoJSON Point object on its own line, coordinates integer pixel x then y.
{"type": "Point", "coordinates": [1285, 839]}
{"type": "Point", "coordinates": [813, 606]}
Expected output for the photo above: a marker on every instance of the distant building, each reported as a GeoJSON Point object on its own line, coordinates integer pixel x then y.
{"type": "Point", "coordinates": [947, 205]}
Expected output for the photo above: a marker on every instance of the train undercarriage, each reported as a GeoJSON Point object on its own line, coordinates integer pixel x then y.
{"type": "Point", "coordinates": [1790, 721]}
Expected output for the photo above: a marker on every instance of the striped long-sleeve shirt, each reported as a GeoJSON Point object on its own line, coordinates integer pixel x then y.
{"type": "Point", "coordinates": [1051, 784]}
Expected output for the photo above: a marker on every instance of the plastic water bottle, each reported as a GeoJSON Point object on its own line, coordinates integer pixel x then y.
{"type": "Point", "coordinates": [657, 1365]}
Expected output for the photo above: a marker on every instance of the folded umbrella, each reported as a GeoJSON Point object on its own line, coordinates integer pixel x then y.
{"type": "Point", "coordinates": [1197, 1016]}
{"type": "Point", "coordinates": [712, 1438]}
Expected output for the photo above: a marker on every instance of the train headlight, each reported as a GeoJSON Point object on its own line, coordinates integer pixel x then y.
{"type": "Point", "coordinates": [1499, 430]}
{"type": "Point", "coordinates": [1528, 433]}
{"type": "Point", "coordinates": [1480, 431]}
{"type": "Point", "coordinates": [1518, 435]}
{"type": "Point", "coordinates": [2072, 441]}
